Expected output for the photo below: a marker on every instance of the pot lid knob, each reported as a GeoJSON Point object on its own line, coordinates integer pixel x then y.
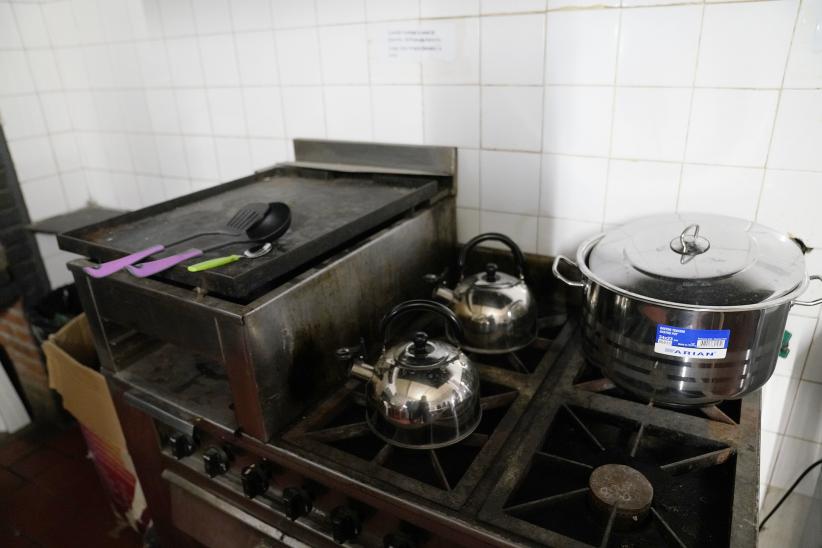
{"type": "Point", "coordinates": [491, 272]}
{"type": "Point", "coordinates": [689, 243]}
{"type": "Point", "coordinates": [420, 347]}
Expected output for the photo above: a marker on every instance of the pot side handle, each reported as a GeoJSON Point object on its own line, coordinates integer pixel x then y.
{"type": "Point", "coordinates": [814, 302]}
{"type": "Point", "coordinates": [560, 276]}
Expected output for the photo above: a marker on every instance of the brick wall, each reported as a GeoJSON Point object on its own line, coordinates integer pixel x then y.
{"type": "Point", "coordinates": [22, 349]}
{"type": "Point", "coordinates": [26, 283]}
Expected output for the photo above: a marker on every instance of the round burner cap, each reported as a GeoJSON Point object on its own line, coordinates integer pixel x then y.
{"type": "Point", "coordinates": [620, 487]}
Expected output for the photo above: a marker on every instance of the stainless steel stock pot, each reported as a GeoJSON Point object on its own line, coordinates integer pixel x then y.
{"type": "Point", "coordinates": [688, 309]}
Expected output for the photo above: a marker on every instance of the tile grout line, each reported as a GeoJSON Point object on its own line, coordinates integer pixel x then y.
{"type": "Point", "coordinates": [776, 110]}
{"type": "Point", "coordinates": [613, 116]}
{"type": "Point", "coordinates": [480, 154]}
{"type": "Point", "coordinates": [541, 173]}
{"type": "Point", "coordinates": [36, 94]}
{"type": "Point", "coordinates": [240, 86]}
{"type": "Point", "coordinates": [289, 152]}
{"type": "Point", "coordinates": [690, 108]}
{"type": "Point", "coordinates": [792, 406]}
{"type": "Point", "coordinates": [322, 75]}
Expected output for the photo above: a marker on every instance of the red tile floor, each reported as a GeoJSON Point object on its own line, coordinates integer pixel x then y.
{"type": "Point", "coordinates": [50, 495]}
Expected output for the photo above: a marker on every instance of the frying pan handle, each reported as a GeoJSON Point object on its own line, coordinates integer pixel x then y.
{"type": "Point", "coordinates": [106, 269]}
{"type": "Point", "coordinates": [560, 276]}
{"type": "Point", "coordinates": [421, 306]}
{"type": "Point", "coordinates": [144, 270]}
{"type": "Point", "coordinates": [814, 302]}
{"type": "Point", "coordinates": [519, 258]}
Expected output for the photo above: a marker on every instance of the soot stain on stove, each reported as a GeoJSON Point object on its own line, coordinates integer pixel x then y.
{"type": "Point", "coordinates": [317, 371]}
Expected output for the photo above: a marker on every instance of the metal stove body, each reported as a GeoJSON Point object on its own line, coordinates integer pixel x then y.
{"type": "Point", "coordinates": [222, 465]}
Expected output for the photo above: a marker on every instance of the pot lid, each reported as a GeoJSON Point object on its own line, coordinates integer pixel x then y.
{"type": "Point", "coordinates": [422, 352]}
{"type": "Point", "coordinates": [699, 259]}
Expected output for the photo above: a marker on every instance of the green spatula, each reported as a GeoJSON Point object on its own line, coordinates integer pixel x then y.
{"type": "Point", "coordinates": [250, 253]}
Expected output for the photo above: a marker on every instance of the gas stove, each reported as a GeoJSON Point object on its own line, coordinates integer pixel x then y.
{"type": "Point", "coordinates": [244, 431]}
{"type": "Point", "coordinates": [554, 462]}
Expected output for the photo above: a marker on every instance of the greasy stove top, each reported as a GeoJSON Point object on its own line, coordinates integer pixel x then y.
{"type": "Point", "coordinates": [554, 426]}
{"type": "Point", "coordinates": [448, 475]}
{"type": "Point", "coordinates": [594, 466]}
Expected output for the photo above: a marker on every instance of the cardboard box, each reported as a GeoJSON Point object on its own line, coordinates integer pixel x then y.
{"type": "Point", "coordinates": [72, 361]}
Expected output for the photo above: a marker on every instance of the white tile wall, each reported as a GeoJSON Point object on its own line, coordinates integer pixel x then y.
{"type": "Point", "coordinates": [658, 46]}
{"type": "Point", "coordinates": [580, 46]}
{"type": "Point", "coordinates": [570, 115]}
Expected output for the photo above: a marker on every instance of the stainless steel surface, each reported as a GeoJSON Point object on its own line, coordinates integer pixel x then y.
{"type": "Point", "coordinates": [421, 394]}
{"type": "Point", "coordinates": [438, 495]}
{"type": "Point", "coordinates": [620, 333]}
{"type": "Point", "coordinates": [271, 345]}
{"type": "Point", "coordinates": [620, 325]}
{"type": "Point", "coordinates": [182, 422]}
{"type": "Point", "coordinates": [497, 311]}
{"type": "Point", "coordinates": [376, 157]}
{"type": "Point", "coordinates": [698, 260]}
{"type": "Point", "coordinates": [812, 302]}
{"type": "Point", "coordinates": [258, 251]}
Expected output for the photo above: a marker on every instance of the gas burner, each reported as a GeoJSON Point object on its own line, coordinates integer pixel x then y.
{"type": "Point", "coordinates": [590, 378]}
{"type": "Point", "coordinates": [526, 360]}
{"type": "Point", "coordinates": [620, 493]}
{"type": "Point", "coordinates": [607, 480]}
{"type": "Point", "coordinates": [339, 431]}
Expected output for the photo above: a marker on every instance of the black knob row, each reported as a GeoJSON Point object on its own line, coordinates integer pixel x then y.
{"type": "Point", "coordinates": [346, 522]}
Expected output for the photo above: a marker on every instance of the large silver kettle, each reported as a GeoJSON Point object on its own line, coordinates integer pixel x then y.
{"type": "Point", "coordinates": [423, 393]}
{"type": "Point", "coordinates": [497, 311]}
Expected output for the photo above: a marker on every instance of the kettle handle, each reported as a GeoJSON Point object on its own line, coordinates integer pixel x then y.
{"type": "Point", "coordinates": [519, 258]}
{"type": "Point", "coordinates": [421, 306]}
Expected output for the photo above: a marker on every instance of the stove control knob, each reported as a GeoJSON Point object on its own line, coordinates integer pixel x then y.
{"type": "Point", "coordinates": [345, 524]}
{"type": "Point", "coordinates": [297, 502]}
{"type": "Point", "coordinates": [254, 478]}
{"type": "Point", "coordinates": [398, 539]}
{"type": "Point", "coordinates": [182, 445]}
{"type": "Point", "coordinates": [215, 461]}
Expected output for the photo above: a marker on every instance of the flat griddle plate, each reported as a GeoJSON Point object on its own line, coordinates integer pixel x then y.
{"type": "Point", "coordinates": [327, 212]}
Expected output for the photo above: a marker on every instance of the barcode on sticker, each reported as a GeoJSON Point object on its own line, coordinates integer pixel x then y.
{"type": "Point", "coordinates": [710, 343]}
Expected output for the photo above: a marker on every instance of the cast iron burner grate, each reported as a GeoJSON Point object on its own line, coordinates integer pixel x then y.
{"type": "Point", "coordinates": [447, 474]}
{"type": "Point", "coordinates": [528, 359]}
{"type": "Point", "coordinates": [590, 378]}
{"type": "Point", "coordinates": [691, 479]}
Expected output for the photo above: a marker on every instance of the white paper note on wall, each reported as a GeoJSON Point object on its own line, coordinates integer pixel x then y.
{"type": "Point", "coordinates": [408, 43]}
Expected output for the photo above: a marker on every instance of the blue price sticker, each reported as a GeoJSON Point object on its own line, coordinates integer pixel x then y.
{"type": "Point", "coordinates": [697, 344]}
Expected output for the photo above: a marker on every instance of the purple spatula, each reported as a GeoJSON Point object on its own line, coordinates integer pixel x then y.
{"type": "Point", "coordinates": [247, 217]}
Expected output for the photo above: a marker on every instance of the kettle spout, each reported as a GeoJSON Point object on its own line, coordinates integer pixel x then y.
{"type": "Point", "coordinates": [361, 370]}
{"type": "Point", "coordinates": [445, 294]}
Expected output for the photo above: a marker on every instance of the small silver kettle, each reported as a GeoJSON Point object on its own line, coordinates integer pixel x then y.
{"type": "Point", "coordinates": [423, 393]}
{"type": "Point", "coordinates": [497, 311]}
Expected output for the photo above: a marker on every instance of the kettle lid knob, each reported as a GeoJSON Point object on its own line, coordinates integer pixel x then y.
{"type": "Point", "coordinates": [491, 272]}
{"type": "Point", "coordinates": [420, 343]}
